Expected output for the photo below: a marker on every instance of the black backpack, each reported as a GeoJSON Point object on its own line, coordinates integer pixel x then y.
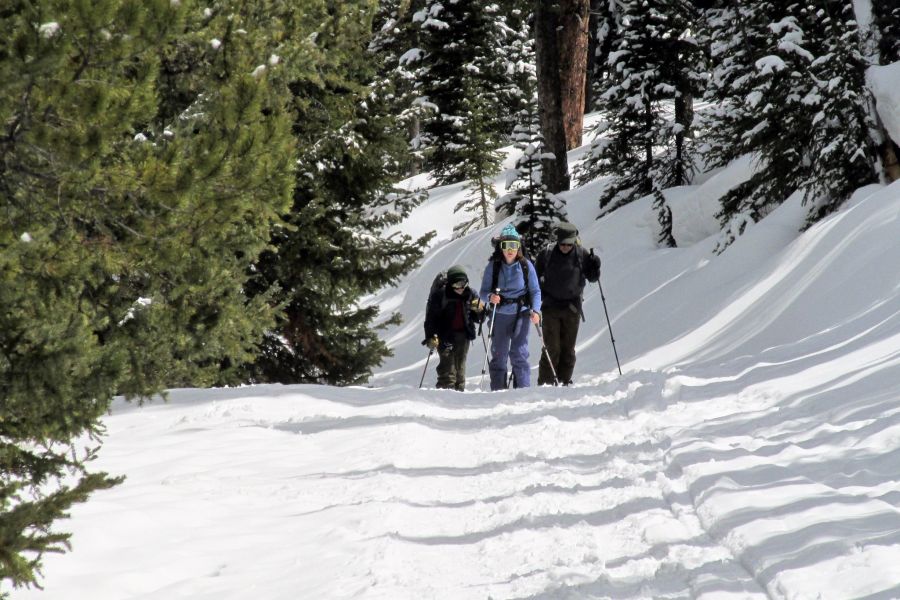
{"type": "Point", "coordinates": [438, 283]}
{"type": "Point", "coordinates": [543, 259]}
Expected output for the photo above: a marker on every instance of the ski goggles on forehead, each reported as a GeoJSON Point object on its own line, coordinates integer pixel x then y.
{"type": "Point", "coordinates": [510, 245]}
{"type": "Point", "coordinates": [458, 285]}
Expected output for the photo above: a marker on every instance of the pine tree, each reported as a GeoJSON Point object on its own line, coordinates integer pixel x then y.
{"type": "Point", "coordinates": [770, 124]}
{"type": "Point", "coordinates": [604, 30]}
{"type": "Point", "coordinates": [653, 61]}
{"type": "Point", "coordinates": [226, 166]}
{"type": "Point", "coordinates": [737, 37]}
{"type": "Point", "coordinates": [516, 64]}
{"type": "Point", "coordinates": [792, 96]}
{"type": "Point", "coordinates": [395, 49]}
{"type": "Point", "coordinates": [843, 145]}
{"type": "Point", "coordinates": [461, 43]}
{"type": "Point", "coordinates": [334, 249]}
{"type": "Point", "coordinates": [502, 57]}
{"type": "Point", "coordinates": [665, 237]}
{"type": "Point", "coordinates": [129, 225]}
{"type": "Point", "coordinates": [478, 164]}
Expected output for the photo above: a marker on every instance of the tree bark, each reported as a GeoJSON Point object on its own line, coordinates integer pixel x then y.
{"type": "Point", "coordinates": [573, 23]}
{"type": "Point", "coordinates": [590, 69]}
{"type": "Point", "coordinates": [550, 104]}
{"type": "Point", "coordinates": [684, 116]}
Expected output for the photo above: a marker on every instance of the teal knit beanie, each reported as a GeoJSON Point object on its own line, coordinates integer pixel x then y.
{"type": "Point", "coordinates": [509, 233]}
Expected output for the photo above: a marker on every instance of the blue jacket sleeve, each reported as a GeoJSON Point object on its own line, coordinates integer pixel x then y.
{"type": "Point", "coordinates": [534, 287]}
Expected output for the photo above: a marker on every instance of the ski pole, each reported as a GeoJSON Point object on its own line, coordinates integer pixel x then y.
{"type": "Point", "coordinates": [546, 353]}
{"type": "Point", "coordinates": [425, 370]}
{"type": "Point", "coordinates": [608, 324]}
{"type": "Point", "coordinates": [483, 343]}
{"type": "Point", "coordinates": [490, 337]}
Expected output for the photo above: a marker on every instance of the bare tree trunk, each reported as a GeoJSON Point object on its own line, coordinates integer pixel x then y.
{"type": "Point", "coordinates": [648, 149]}
{"type": "Point", "coordinates": [593, 23]}
{"type": "Point", "coordinates": [550, 104]}
{"type": "Point", "coordinates": [573, 59]}
{"type": "Point", "coordinates": [684, 116]}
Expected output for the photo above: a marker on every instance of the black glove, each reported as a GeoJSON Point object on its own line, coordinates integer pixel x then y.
{"type": "Point", "coordinates": [592, 266]}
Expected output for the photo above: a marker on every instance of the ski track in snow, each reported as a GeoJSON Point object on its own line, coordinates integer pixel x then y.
{"type": "Point", "coordinates": [650, 485]}
{"type": "Point", "coordinates": [435, 494]}
{"type": "Point", "coordinates": [529, 498]}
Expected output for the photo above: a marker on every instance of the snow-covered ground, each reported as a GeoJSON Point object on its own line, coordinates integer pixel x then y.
{"type": "Point", "coordinates": [751, 449]}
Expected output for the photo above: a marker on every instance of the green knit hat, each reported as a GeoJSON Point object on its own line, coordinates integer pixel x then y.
{"type": "Point", "coordinates": [456, 273]}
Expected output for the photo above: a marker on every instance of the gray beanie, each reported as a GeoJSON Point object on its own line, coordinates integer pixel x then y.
{"type": "Point", "coordinates": [566, 233]}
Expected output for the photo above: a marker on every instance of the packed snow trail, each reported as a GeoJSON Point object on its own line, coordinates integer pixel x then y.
{"type": "Point", "coordinates": [400, 493]}
{"type": "Point", "coordinates": [513, 495]}
{"type": "Point", "coordinates": [775, 482]}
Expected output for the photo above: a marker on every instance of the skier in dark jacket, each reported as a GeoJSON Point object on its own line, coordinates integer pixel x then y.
{"type": "Point", "coordinates": [450, 318]}
{"type": "Point", "coordinates": [562, 269]}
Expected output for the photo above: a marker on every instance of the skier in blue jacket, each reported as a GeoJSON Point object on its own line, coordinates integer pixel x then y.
{"type": "Point", "coordinates": [510, 283]}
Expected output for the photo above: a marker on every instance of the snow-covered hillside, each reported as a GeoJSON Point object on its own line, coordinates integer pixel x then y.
{"type": "Point", "coordinates": [773, 293]}
{"type": "Point", "coordinates": [751, 449]}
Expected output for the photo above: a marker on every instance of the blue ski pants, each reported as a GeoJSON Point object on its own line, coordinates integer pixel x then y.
{"type": "Point", "coordinates": [510, 342]}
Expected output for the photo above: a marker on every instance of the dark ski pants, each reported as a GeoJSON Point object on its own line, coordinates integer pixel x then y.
{"type": "Point", "coordinates": [510, 342]}
{"type": "Point", "coordinates": [451, 370]}
{"type": "Point", "coordinates": [560, 332]}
